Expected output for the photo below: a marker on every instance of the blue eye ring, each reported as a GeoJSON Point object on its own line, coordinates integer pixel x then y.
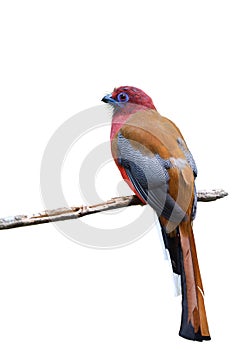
{"type": "Point", "coordinates": [122, 97]}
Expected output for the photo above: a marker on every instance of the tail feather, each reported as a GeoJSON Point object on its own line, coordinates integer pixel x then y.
{"type": "Point", "coordinates": [194, 323]}
{"type": "Point", "coordinates": [181, 246]}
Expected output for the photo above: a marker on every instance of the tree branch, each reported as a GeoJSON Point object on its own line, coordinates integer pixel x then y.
{"type": "Point", "coordinates": [61, 214]}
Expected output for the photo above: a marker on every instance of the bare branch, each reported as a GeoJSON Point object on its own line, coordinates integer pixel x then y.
{"type": "Point", "coordinates": [61, 214]}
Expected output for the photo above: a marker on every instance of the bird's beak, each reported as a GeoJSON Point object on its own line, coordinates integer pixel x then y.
{"type": "Point", "coordinates": [108, 99]}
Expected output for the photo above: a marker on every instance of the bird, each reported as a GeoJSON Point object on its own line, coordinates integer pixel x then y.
{"type": "Point", "coordinates": [155, 161]}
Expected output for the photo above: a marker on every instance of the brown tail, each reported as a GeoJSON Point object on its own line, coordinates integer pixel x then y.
{"type": "Point", "coordinates": [194, 324]}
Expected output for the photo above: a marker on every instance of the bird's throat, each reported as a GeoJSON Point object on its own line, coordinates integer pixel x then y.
{"type": "Point", "coordinates": [121, 115]}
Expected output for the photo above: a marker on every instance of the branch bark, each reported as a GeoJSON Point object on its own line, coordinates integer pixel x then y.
{"type": "Point", "coordinates": [69, 213]}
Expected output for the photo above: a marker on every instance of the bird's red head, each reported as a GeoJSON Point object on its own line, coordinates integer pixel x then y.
{"type": "Point", "coordinates": [129, 94]}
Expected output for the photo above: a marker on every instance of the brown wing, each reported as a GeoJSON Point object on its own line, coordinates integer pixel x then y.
{"type": "Point", "coordinates": [151, 134]}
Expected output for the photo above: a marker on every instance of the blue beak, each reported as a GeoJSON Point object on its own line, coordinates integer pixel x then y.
{"type": "Point", "coordinates": [108, 99]}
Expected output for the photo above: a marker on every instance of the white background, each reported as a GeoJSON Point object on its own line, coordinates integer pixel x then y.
{"type": "Point", "coordinates": [58, 58]}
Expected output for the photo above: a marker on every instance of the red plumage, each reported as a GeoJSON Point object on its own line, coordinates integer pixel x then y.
{"type": "Point", "coordinates": [137, 96]}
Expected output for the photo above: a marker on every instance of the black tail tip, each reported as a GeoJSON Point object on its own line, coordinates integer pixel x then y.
{"type": "Point", "coordinates": [193, 336]}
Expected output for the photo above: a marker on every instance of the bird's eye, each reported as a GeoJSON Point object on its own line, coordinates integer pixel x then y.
{"type": "Point", "coordinates": [122, 97]}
